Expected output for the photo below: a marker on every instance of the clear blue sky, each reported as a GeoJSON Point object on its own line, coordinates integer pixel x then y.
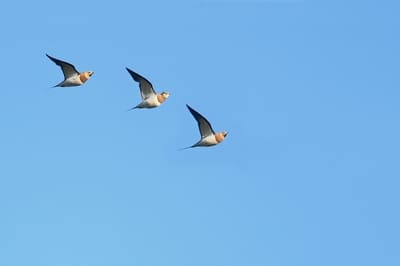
{"type": "Point", "coordinates": [308, 175]}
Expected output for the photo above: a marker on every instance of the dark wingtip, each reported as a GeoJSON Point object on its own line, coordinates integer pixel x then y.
{"type": "Point", "coordinates": [130, 71]}
{"type": "Point", "coordinates": [133, 74]}
{"type": "Point", "coordinates": [52, 58]}
{"type": "Point", "coordinates": [188, 107]}
{"type": "Point", "coordinates": [192, 111]}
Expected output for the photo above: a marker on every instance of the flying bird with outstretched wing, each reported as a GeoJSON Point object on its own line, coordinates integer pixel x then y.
{"type": "Point", "coordinates": [207, 134]}
{"type": "Point", "coordinates": [71, 76]}
{"type": "Point", "coordinates": [150, 98]}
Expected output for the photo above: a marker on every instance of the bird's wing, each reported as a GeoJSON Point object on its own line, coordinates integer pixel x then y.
{"type": "Point", "coordinates": [146, 89]}
{"type": "Point", "coordinates": [204, 126]}
{"type": "Point", "coordinates": [67, 68]}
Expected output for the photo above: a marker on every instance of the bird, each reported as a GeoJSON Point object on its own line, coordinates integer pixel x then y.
{"type": "Point", "coordinates": [71, 76]}
{"type": "Point", "coordinates": [150, 98]}
{"type": "Point", "coordinates": [208, 135]}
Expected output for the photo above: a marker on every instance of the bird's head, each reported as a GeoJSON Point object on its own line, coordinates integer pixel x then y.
{"type": "Point", "coordinates": [165, 94]}
{"type": "Point", "coordinates": [84, 76]}
{"type": "Point", "coordinates": [220, 136]}
{"type": "Point", "coordinates": [162, 96]}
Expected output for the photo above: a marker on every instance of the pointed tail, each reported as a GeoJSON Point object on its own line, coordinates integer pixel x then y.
{"type": "Point", "coordinates": [59, 84]}
{"type": "Point", "coordinates": [185, 148]}
{"type": "Point", "coordinates": [182, 149]}
{"type": "Point", "coordinates": [133, 108]}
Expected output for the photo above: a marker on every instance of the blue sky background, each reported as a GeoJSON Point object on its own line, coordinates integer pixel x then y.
{"type": "Point", "coordinates": [308, 175]}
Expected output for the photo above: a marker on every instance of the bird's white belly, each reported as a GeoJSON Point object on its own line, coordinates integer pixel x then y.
{"type": "Point", "coordinates": [209, 141]}
{"type": "Point", "coordinates": [72, 81]}
{"type": "Point", "coordinates": [152, 101]}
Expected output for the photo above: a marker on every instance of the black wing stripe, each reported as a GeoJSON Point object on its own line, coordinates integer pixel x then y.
{"type": "Point", "coordinates": [145, 86]}
{"type": "Point", "coordinates": [200, 119]}
{"type": "Point", "coordinates": [60, 63]}
{"type": "Point", "coordinates": [138, 78]}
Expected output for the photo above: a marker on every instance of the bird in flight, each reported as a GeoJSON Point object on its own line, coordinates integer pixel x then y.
{"type": "Point", "coordinates": [71, 76]}
{"type": "Point", "coordinates": [150, 98]}
{"type": "Point", "coordinates": [208, 135]}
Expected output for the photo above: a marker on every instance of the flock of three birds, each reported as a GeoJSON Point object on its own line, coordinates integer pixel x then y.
{"type": "Point", "coordinates": [150, 99]}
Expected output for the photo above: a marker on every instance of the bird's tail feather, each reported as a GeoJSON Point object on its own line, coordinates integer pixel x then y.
{"type": "Point", "coordinates": [59, 84]}
{"type": "Point", "coordinates": [135, 107]}
{"type": "Point", "coordinates": [185, 148]}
